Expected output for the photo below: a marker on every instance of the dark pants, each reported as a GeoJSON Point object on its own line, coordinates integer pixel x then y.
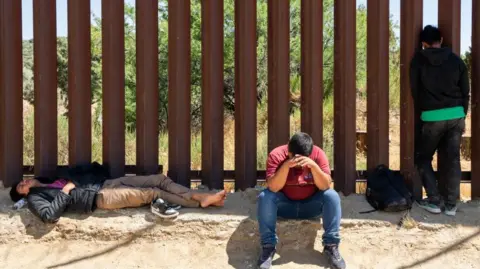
{"type": "Point", "coordinates": [444, 136]}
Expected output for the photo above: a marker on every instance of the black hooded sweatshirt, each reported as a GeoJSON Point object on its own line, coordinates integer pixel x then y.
{"type": "Point", "coordinates": [49, 204]}
{"type": "Point", "coordinates": [439, 79]}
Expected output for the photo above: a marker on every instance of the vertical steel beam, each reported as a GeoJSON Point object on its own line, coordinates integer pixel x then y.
{"type": "Point", "coordinates": [378, 38]}
{"type": "Point", "coordinates": [212, 93]}
{"type": "Point", "coordinates": [410, 26]}
{"type": "Point", "coordinates": [147, 86]}
{"type": "Point", "coordinates": [45, 84]}
{"type": "Point", "coordinates": [79, 83]}
{"type": "Point", "coordinates": [179, 69]}
{"type": "Point", "coordinates": [312, 69]}
{"type": "Point", "coordinates": [475, 75]}
{"type": "Point", "coordinates": [113, 79]}
{"type": "Point", "coordinates": [345, 96]}
{"type": "Point", "coordinates": [245, 94]}
{"type": "Point", "coordinates": [449, 22]}
{"type": "Point", "coordinates": [11, 103]}
{"type": "Point", "coordinates": [278, 72]}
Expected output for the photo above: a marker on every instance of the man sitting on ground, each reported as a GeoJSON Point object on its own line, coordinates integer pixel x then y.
{"type": "Point", "coordinates": [298, 178]}
{"type": "Point", "coordinates": [48, 199]}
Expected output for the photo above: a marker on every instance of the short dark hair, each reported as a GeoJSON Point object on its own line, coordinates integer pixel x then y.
{"type": "Point", "coordinates": [14, 195]}
{"type": "Point", "coordinates": [300, 144]}
{"type": "Point", "coordinates": [430, 35]}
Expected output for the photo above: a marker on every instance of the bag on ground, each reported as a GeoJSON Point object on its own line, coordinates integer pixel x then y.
{"type": "Point", "coordinates": [386, 190]}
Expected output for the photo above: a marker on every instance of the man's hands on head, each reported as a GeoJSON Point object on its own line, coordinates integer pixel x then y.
{"type": "Point", "coordinates": [303, 161]}
{"type": "Point", "coordinates": [290, 163]}
{"type": "Point", "coordinates": [277, 181]}
{"type": "Point", "coordinates": [320, 178]}
{"type": "Point", "coordinates": [68, 188]}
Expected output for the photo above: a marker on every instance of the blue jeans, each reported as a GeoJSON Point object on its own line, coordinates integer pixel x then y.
{"type": "Point", "coordinates": [323, 203]}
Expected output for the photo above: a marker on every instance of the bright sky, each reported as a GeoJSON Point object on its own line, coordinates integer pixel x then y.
{"type": "Point", "coordinates": [430, 16]}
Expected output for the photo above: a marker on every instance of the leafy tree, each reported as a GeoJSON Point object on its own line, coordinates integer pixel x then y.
{"type": "Point", "coordinates": [28, 94]}
{"type": "Point", "coordinates": [468, 61]}
{"type": "Point", "coordinates": [229, 58]}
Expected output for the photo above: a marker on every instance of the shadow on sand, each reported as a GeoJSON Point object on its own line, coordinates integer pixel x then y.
{"type": "Point", "coordinates": [296, 244]}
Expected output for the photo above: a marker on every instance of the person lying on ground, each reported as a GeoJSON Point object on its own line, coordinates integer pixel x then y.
{"type": "Point", "coordinates": [441, 92]}
{"type": "Point", "coordinates": [48, 199]}
{"type": "Point", "coordinates": [298, 179]}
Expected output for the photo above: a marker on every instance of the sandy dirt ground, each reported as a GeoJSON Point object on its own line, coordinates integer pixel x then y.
{"type": "Point", "coordinates": [363, 248]}
{"type": "Point", "coordinates": [228, 238]}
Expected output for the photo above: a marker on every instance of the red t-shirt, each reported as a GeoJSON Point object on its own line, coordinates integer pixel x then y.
{"type": "Point", "coordinates": [299, 185]}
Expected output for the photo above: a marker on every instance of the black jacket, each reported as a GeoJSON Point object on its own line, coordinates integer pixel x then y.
{"type": "Point", "coordinates": [439, 79]}
{"type": "Point", "coordinates": [49, 204]}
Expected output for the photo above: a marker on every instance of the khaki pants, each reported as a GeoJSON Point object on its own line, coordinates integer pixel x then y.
{"type": "Point", "coordinates": [136, 191]}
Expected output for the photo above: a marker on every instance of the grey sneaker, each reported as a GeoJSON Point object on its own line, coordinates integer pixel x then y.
{"type": "Point", "coordinates": [173, 206]}
{"type": "Point", "coordinates": [160, 208]}
{"type": "Point", "coordinates": [450, 210]}
{"type": "Point", "coordinates": [430, 207]}
{"type": "Point", "coordinates": [334, 257]}
{"type": "Point", "coordinates": [266, 257]}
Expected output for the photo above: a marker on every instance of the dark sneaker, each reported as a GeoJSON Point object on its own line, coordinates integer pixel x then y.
{"type": "Point", "coordinates": [173, 206]}
{"type": "Point", "coordinates": [160, 208]}
{"type": "Point", "coordinates": [334, 257]}
{"type": "Point", "coordinates": [430, 207]}
{"type": "Point", "coordinates": [266, 257]}
{"type": "Point", "coordinates": [450, 210]}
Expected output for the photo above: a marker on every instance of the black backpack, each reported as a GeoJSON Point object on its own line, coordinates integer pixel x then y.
{"type": "Point", "coordinates": [386, 190]}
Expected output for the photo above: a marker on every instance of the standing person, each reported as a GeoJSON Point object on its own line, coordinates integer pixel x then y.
{"type": "Point", "coordinates": [441, 91]}
{"type": "Point", "coordinates": [298, 178]}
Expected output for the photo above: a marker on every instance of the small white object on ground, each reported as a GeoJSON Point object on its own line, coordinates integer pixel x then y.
{"type": "Point", "coordinates": [21, 203]}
